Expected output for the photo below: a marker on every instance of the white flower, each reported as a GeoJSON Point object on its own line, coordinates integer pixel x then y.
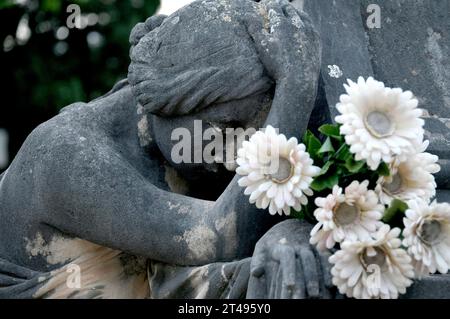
{"type": "Point", "coordinates": [410, 179]}
{"type": "Point", "coordinates": [277, 172]}
{"type": "Point", "coordinates": [377, 268]}
{"type": "Point", "coordinates": [352, 216]}
{"type": "Point", "coordinates": [379, 123]}
{"type": "Point", "coordinates": [427, 236]}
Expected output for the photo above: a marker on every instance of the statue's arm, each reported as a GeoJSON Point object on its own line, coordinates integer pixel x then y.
{"type": "Point", "coordinates": [103, 199]}
{"type": "Point", "coordinates": [95, 194]}
{"type": "Point", "coordinates": [289, 48]}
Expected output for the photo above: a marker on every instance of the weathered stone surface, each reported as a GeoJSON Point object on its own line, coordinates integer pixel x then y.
{"type": "Point", "coordinates": [345, 52]}
{"type": "Point", "coordinates": [438, 133]}
{"type": "Point", "coordinates": [412, 50]}
{"type": "Point", "coordinates": [443, 195]}
{"type": "Point", "coordinates": [431, 287]}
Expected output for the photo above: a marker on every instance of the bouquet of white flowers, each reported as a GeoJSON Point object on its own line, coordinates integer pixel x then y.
{"type": "Point", "coordinates": [372, 183]}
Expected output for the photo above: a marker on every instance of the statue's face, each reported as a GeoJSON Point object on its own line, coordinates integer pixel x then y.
{"type": "Point", "coordinates": [184, 140]}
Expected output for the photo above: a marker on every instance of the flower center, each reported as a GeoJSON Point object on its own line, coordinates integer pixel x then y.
{"type": "Point", "coordinates": [379, 258]}
{"type": "Point", "coordinates": [379, 124]}
{"type": "Point", "coordinates": [430, 232]}
{"type": "Point", "coordinates": [395, 186]}
{"type": "Point", "coordinates": [284, 172]}
{"type": "Point", "coordinates": [344, 214]}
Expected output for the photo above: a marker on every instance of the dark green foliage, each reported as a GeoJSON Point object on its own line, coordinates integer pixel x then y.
{"type": "Point", "coordinates": [338, 164]}
{"type": "Point", "coordinates": [394, 213]}
{"type": "Point", "coordinates": [39, 81]}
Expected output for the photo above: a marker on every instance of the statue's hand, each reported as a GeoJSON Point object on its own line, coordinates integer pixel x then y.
{"type": "Point", "coordinates": [285, 265]}
{"type": "Point", "coordinates": [282, 38]}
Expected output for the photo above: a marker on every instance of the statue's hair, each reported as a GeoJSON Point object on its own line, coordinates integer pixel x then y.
{"type": "Point", "coordinates": [198, 56]}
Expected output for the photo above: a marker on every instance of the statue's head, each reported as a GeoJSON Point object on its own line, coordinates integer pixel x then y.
{"type": "Point", "coordinates": [200, 63]}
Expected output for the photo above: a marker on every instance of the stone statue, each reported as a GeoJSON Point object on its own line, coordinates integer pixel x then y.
{"type": "Point", "coordinates": [94, 191]}
{"type": "Point", "coordinates": [93, 205]}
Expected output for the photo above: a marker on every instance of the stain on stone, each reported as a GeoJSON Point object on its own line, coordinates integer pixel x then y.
{"type": "Point", "coordinates": [335, 71]}
{"type": "Point", "coordinates": [133, 265]}
{"type": "Point", "coordinates": [200, 240]}
{"type": "Point", "coordinates": [143, 132]}
{"type": "Point", "coordinates": [58, 250]}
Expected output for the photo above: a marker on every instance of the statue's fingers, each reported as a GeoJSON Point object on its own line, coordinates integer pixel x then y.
{"type": "Point", "coordinates": [155, 21]}
{"type": "Point", "coordinates": [257, 285]}
{"type": "Point", "coordinates": [257, 32]}
{"type": "Point", "coordinates": [257, 288]}
{"type": "Point", "coordinates": [310, 271]}
{"type": "Point", "coordinates": [142, 28]}
{"type": "Point", "coordinates": [228, 270]}
{"type": "Point", "coordinates": [235, 274]}
{"type": "Point", "coordinates": [276, 282]}
{"type": "Point", "coordinates": [241, 281]}
{"type": "Point", "coordinates": [292, 14]}
{"type": "Point", "coordinates": [275, 14]}
{"type": "Point", "coordinates": [257, 264]}
{"type": "Point", "coordinates": [300, 283]}
{"type": "Point", "coordinates": [287, 258]}
{"type": "Point", "coordinates": [287, 289]}
{"type": "Point", "coordinates": [137, 33]}
{"type": "Point", "coordinates": [275, 5]}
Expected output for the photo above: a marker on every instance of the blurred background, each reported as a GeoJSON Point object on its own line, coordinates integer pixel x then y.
{"type": "Point", "coordinates": [56, 52]}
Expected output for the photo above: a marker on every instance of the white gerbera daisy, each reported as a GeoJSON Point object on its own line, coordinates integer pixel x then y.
{"type": "Point", "coordinates": [277, 172]}
{"type": "Point", "coordinates": [410, 179]}
{"type": "Point", "coordinates": [352, 216]}
{"type": "Point", "coordinates": [379, 123]}
{"type": "Point", "coordinates": [377, 268]}
{"type": "Point", "coordinates": [427, 235]}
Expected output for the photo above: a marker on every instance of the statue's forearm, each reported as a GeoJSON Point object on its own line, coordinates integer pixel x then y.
{"type": "Point", "coordinates": [245, 224]}
{"type": "Point", "coordinates": [103, 199]}
{"type": "Point", "coordinates": [292, 106]}
{"type": "Point", "coordinates": [128, 213]}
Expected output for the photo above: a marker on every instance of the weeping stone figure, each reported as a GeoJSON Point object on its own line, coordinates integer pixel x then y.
{"type": "Point", "coordinates": [93, 206]}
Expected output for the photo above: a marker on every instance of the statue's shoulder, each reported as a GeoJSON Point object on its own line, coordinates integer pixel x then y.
{"type": "Point", "coordinates": [63, 135]}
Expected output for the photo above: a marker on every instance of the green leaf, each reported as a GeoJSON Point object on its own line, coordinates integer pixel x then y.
{"type": "Point", "coordinates": [327, 147]}
{"type": "Point", "coordinates": [312, 144]}
{"type": "Point", "coordinates": [318, 185]}
{"type": "Point", "coordinates": [299, 215]}
{"type": "Point", "coordinates": [325, 182]}
{"type": "Point", "coordinates": [397, 207]}
{"type": "Point", "coordinates": [331, 130]}
{"type": "Point", "coordinates": [325, 168]}
{"type": "Point", "coordinates": [343, 153]}
{"type": "Point", "coordinates": [383, 170]}
{"type": "Point", "coordinates": [354, 166]}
